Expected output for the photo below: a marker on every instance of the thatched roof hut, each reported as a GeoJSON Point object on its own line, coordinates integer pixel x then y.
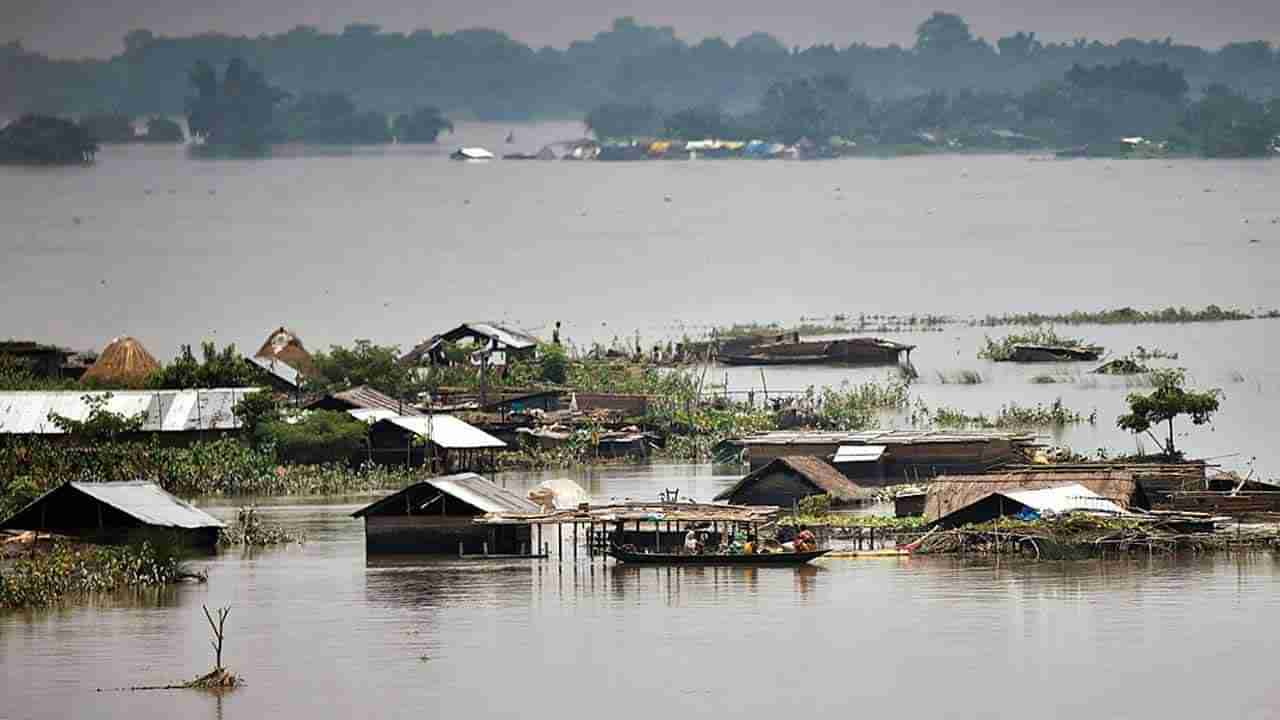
{"type": "Point", "coordinates": [125, 361]}
{"type": "Point", "coordinates": [284, 345]}
{"type": "Point", "coordinates": [788, 480]}
{"type": "Point", "coordinates": [952, 492]}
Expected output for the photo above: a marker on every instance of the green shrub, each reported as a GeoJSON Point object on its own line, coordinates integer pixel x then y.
{"type": "Point", "coordinates": [319, 436]}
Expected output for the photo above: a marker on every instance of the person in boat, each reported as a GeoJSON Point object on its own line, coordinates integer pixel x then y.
{"type": "Point", "coordinates": [692, 543]}
{"type": "Point", "coordinates": [805, 540]}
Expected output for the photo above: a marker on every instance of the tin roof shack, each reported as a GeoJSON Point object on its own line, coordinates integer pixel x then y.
{"type": "Point", "coordinates": [950, 493]}
{"type": "Point", "coordinates": [522, 403]}
{"type": "Point", "coordinates": [45, 361]}
{"type": "Point", "coordinates": [793, 351]}
{"type": "Point", "coordinates": [439, 515]}
{"type": "Point", "coordinates": [361, 397]}
{"type": "Point", "coordinates": [1056, 500]}
{"type": "Point", "coordinates": [174, 417]}
{"type": "Point", "coordinates": [114, 512]}
{"type": "Point", "coordinates": [909, 503]}
{"type": "Point", "coordinates": [444, 442]}
{"type": "Point", "coordinates": [787, 480]}
{"type": "Point", "coordinates": [908, 456]}
{"type": "Point", "coordinates": [1054, 353]}
{"type": "Point", "coordinates": [514, 344]}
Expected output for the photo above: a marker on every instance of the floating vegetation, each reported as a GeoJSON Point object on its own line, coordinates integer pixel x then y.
{"type": "Point", "coordinates": [251, 531]}
{"type": "Point", "coordinates": [1080, 536]}
{"type": "Point", "coordinates": [1006, 347]}
{"type": "Point", "coordinates": [1142, 353]}
{"type": "Point", "coordinates": [960, 377]}
{"type": "Point", "coordinates": [1122, 366]}
{"type": "Point", "coordinates": [1122, 316]}
{"type": "Point", "coordinates": [1014, 416]}
{"type": "Point", "coordinates": [68, 568]}
{"type": "Point", "coordinates": [1048, 379]}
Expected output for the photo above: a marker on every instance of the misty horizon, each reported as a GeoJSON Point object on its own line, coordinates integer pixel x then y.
{"type": "Point", "coordinates": [98, 32]}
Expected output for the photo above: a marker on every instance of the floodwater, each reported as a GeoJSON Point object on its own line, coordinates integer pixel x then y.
{"type": "Point", "coordinates": [393, 244]}
{"type": "Point", "coordinates": [319, 631]}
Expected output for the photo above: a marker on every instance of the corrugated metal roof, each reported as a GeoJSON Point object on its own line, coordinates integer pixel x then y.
{"type": "Point", "coordinates": [149, 503]}
{"type": "Point", "coordinates": [447, 431]}
{"type": "Point", "coordinates": [859, 453]}
{"type": "Point", "coordinates": [365, 397]}
{"type": "Point", "coordinates": [27, 413]}
{"type": "Point", "coordinates": [372, 415]}
{"type": "Point", "coordinates": [279, 369]}
{"type": "Point", "coordinates": [467, 487]}
{"type": "Point", "coordinates": [1064, 498]}
{"type": "Point", "coordinates": [481, 493]}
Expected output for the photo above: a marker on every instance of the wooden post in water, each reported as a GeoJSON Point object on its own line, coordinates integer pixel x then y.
{"type": "Point", "coordinates": [575, 542]}
{"type": "Point", "coordinates": [560, 542]}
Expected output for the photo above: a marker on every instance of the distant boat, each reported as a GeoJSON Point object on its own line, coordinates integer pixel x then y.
{"type": "Point", "coordinates": [785, 558]}
{"type": "Point", "coordinates": [793, 351]}
{"type": "Point", "coordinates": [472, 153]}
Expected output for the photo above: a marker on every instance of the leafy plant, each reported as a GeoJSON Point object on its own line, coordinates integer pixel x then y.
{"type": "Point", "coordinates": [1169, 400]}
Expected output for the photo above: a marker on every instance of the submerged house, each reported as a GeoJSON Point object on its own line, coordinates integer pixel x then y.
{"type": "Point", "coordinates": [512, 343]}
{"type": "Point", "coordinates": [443, 441]}
{"type": "Point", "coordinates": [438, 516]}
{"type": "Point", "coordinates": [955, 493]}
{"type": "Point", "coordinates": [114, 512]}
{"type": "Point", "coordinates": [362, 397]}
{"type": "Point", "coordinates": [889, 457]}
{"type": "Point", "coordinates": [788, 480]}
{"type": "Point", "coordinates": [46, 361]}
{"type": "Point", "coordinates": [1030, 504]}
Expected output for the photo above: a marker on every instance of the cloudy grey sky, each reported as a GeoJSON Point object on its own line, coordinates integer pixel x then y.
{"type": "Point", "coordinates": [75, 29]}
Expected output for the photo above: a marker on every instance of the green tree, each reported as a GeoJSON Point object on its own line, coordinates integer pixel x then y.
{"type": "Point", "coordinates": [943, 34]}
{"type": "Point", "coordinates": [1229, 124]}
{"type": "Point", "coordinates": [256, 410]}
{"type": "Point", "coordinates": [423, 125]}
{"type": "Point", "coordinates": [237, 113]}
{"type": "Point", "coordinates": [45, 140]}
{"type": "Point", "coordinates": [216, 369]}
{"type": "Point", "coordinates": [623, 120]}
{"type": "Point", "coordinates": [1169, 400]}
{"type": "Point", "coordinates": [332, 118]}
{"type": "Point", "coordinates": [365, 363]}
{"type": "Point", "coordinates": [554, 364]}
{"type": "Point", "coordinates": [163, 130]}
{"type": "Point", "coordinates": [101, 424]}
{"type": "Point", "coordinates": [319, 436]}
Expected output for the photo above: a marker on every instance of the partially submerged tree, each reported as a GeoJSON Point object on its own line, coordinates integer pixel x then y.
{"type": "Point", "coordinates": [423, 125]}
{"type": "Point", "coordinates": [101, 424]}
{"type": "Point", "coordinates": [1169, 400]}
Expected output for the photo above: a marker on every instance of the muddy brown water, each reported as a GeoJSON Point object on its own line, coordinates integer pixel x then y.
{"type": "Point", "coordinates": [321, 631]}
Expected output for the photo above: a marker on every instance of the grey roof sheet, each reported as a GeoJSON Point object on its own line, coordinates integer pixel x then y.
{"type": "Point", "coordinates": [447, 431]}
{"type": "Point", "coordinates": [470, 488]}
{"type": "Point", "coordinates": [278, 368]}
{"type": "Point", "coordinates": [149, 503]}
{"type": "Point", "coordinates": [27, 413]}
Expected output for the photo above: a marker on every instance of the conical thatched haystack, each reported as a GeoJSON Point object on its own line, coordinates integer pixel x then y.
{"type": "Point", "coordinates": [123, 361]}
{"type": "Point", "coordinates": [284, 345]}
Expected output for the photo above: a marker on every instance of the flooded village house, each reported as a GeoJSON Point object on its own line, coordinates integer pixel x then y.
{"type": "Point", "coordinates": [438, 516]}
{"type": "Point", "coordinates": [116, 512]}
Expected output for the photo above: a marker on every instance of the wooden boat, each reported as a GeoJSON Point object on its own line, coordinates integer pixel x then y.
{"type": "Point", "coordinates": [849, 351]}
{"type": "Point", "coordinates": [640, 558]}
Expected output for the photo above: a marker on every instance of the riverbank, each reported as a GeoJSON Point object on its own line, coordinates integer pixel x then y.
{"type": "Point", "coordinates": [43, 570]}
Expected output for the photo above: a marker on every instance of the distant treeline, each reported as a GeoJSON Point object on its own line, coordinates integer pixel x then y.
{"type": "Point", "coordinates": [1126, 316]}
{"type": "Point", "coordinates": [489, 75]}
{"type": "Point", "coordinates": [1129, 107]}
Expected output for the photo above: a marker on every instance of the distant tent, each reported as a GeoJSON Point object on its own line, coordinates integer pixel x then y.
{"type": "Point", "coordinates": [123, 361]}
{"type": "Point", "coordinates": [285, 345]}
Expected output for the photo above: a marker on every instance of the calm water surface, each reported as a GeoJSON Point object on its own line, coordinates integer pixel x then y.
{"type": "Point", "coordinates": [319, 631]}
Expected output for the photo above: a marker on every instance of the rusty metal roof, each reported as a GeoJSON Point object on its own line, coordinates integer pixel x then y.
{"type": "Point", "coordinates": [817, 471]}
{"type": "Point", "coordinates": [27, 413]}
{"type": "Point", "coordinates": [366, 398]}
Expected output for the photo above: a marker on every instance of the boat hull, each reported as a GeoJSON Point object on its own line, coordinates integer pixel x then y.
{"type": "Point", "coordinates": [795, 558]}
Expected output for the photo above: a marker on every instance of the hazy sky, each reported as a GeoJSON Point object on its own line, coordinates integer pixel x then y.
{"type": "Point", "coordinates": [75, 29]}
